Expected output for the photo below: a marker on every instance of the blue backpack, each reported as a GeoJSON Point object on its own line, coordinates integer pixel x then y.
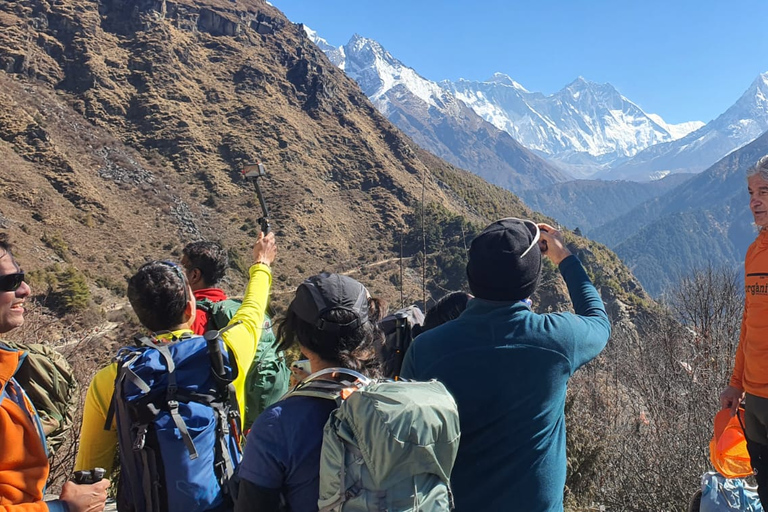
{"type": "Point", "coordinates": [721, 494]}
{"type": "Point", "coordinates": [178, 425]}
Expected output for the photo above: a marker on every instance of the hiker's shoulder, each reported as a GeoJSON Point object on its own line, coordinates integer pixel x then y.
{"type": "Point", "coordinates": [293, 417]}
{"type": "Point", "coordinates": [302, 406]}
{"type": "Point", "coordinates": [9, 361]}
{"type": "Point", "coordinates": [211, 294]}
{"type": "Point", "coordinates": [105, 377]}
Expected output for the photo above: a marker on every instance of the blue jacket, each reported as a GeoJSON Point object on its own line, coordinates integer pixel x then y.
{"type": "Point", "coordinates": [508, 369]}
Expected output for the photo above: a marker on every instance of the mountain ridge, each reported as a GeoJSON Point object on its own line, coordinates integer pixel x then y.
{"type": "Point", "coordinates": [436, 120]}
{"type": "Point", "coordinates": [588, 204]}
{"type": "Point", "coordinates": [704, 221]}
{"type": "Point", "coordinates": [123, 128]}
{"type": "Point", "coordinates": [740, 124]}
{"type": "Point", "coordinates": [585, 126]}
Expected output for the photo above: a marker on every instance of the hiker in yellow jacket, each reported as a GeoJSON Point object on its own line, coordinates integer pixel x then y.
{"type": "Point", "coordinates": [174, 318]}
{"type": "Point", "coordinates": [749, 380]}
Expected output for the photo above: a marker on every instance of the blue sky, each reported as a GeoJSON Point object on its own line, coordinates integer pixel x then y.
{"type": "Point", "coordinates": [684, 60]}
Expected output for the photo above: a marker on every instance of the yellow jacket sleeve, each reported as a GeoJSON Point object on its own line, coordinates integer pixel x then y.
{"type": "Point", "coordinates": [242, 339]}
{"type": "Point", "coordinates": [98, 447]}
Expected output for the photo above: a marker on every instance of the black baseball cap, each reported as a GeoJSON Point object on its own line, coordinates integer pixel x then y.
{"type": "Point", "coordinates": [326, 292]}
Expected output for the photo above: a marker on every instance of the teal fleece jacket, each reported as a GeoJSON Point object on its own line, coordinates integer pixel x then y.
{"type": "Point", "coordinates": [508, 369]}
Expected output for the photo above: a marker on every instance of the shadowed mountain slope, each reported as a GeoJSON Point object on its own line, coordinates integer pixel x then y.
{"type": "Point", "coordinates": [705, 220]}
{"type": "Point", "coordinates": [587, 204]}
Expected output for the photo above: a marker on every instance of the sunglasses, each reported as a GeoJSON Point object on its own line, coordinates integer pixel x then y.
{"type": "Point", "coordinates": [179, 272]}
{"type": "Point", "coordinates": [11, 282]}
{"type": "Point", "coordinates": [533, 228]}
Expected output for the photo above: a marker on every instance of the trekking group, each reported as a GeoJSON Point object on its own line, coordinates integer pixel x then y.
{"type": "Point", "coordinates": [196, 414]}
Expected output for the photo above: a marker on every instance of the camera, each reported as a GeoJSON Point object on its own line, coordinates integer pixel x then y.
{"type": "Point", "coordinates": [88, 476]}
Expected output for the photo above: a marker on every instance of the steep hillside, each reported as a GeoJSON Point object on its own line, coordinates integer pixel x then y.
{"type": "Point", "coordinates": [157, 107]}
{"type": "Point", "coordinates": [669, 249]}
{"type": "Point", "coordinates": [587, 204]}
{"type": "Point", "coordinates": [123, 127]}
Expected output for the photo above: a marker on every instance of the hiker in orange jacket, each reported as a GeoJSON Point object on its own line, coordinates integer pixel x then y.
{"type": "Point", "coordinates": [749, 380]}
{"type": "Point", "coordinates": [23, 455]}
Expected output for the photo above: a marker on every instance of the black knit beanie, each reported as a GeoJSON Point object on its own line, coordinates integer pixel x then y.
{"type": "Point", "coordinates": [496, 270]}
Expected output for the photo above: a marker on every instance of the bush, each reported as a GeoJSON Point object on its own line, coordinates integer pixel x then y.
{"type": "Point", "coordinates": [116, 286]}
{"type": "Point", "coordinates": [57, 245]}
{"type": "Point", "coordinates": [73, 294]}
{"type": "Point", "coordinates": [640, 416]}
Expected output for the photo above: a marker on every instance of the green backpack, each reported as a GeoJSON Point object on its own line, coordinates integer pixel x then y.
{"type": "Point", "coordinates": [48, 379]}
{"type": "Point", "coordinates": [268, 378]}
{"type": "Point", "coordinates": [390, 445]}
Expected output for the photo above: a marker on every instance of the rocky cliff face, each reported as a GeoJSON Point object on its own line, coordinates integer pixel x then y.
{"type": "Point", "coordinates": [123, 125]}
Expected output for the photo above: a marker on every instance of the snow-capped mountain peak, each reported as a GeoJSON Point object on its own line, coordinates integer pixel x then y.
{"type": "Point", "coordinates": [503, 79]}
{"type": "Point", "coordinates": [678, 131]}
{"type": "Point", "coordinates": [336, 55]}
{"type": "Point", "coordinates": [585, 125]}
{"type": "Point", "coordinates": [436, 120]}
{"type": "Point", "coordinates": [742, 123]}
{"type": "Point", "coordinates": [377, 72]}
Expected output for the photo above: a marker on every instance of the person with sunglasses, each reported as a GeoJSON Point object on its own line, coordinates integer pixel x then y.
{"type": "Point", "coordinates": [508, 368]}
{"type": "Point", "coordinates": [24, 464]}
{"type": "Point", "coordinates": [164, 302]}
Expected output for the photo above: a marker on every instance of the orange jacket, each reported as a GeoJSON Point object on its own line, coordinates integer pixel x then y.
{"type": "Point", "coordinates": [750, 372]}
{"type": "Point", "coordinates": [23, 459]}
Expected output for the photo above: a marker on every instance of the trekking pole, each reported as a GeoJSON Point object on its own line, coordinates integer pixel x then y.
{"type": "Point", "coordinates": [253, 172]}
{"type": "Point", "coordinates": [214, 350]}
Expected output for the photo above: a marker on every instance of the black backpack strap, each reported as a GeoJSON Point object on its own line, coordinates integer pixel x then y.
{"type": "Point", "coordinates": [224, 378]}
{"type": "Point", "coordinates": [124, 371]}
{"type": "Point", "coordinates": [151, 492]}
{"type": "Point", "coordinates": [227, 408]}
{"type": "Point", "coordinates": [227, 468]}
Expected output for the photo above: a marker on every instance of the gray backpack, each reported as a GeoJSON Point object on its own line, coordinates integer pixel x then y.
{"type": "Point", "coordinates": [390, 445]}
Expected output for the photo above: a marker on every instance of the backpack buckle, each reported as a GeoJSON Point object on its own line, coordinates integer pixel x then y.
{"type": "Point", "coordinates": [141, 435]}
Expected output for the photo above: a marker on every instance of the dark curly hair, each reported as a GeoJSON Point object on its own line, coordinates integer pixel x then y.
{"type": "Point", "coordinates": [447, 308]}
{"type": "Point", "coordinates": [356, 349]}
{"type": "Point", "coordinates": [158, 294]}
{"type": "Point", "coordinates": [210, 258]}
